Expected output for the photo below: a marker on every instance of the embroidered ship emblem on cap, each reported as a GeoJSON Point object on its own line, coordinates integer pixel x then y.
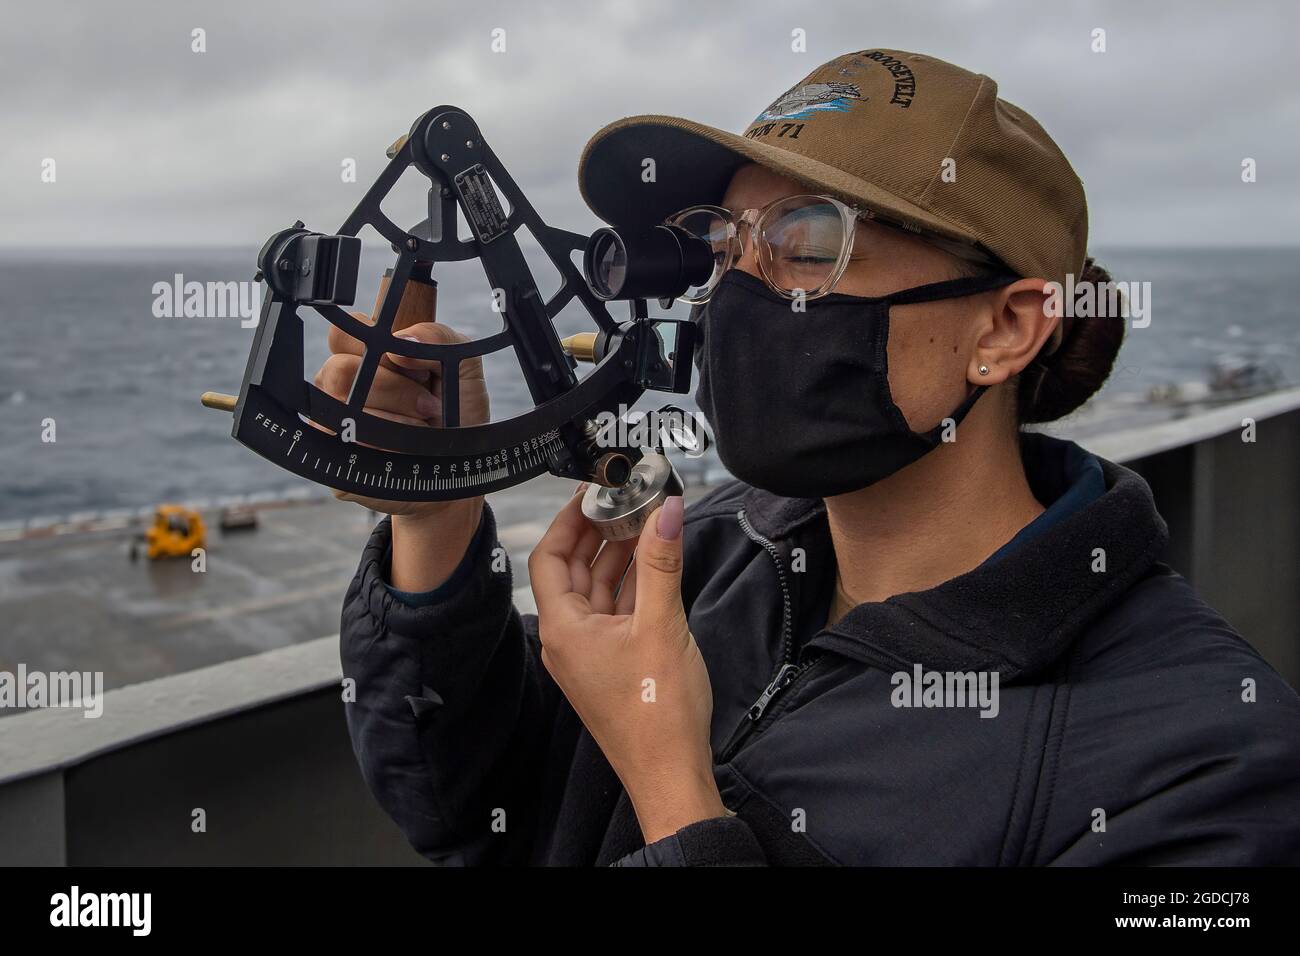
{"type": "Point", "coordinates": [800, 102]}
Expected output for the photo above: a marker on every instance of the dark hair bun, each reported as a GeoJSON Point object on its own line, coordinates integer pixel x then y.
{"type": "Point", "coordinates": [1057, 384]}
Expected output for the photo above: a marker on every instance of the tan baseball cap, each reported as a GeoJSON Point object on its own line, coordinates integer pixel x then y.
{"type": "Point", "coordinates": [908, 139]}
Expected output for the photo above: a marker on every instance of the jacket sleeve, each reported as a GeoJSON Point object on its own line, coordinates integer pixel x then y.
{"type": "Point", "coordinates": [452, 708]}
{"type": "Point", "coordinates": [725, 841]}
{"type": "Point", "coordinates": [1200, 773]}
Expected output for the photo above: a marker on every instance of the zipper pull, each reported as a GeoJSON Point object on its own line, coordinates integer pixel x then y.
{"type": "Point", "coordinates": [779, 682]}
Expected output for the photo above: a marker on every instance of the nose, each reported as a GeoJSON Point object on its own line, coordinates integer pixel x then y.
{"type": "Point", "coordinates": [747, 261]}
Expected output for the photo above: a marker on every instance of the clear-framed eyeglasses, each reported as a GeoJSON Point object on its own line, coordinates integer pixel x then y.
{"type": "Point", "coordinates": [802, 243]}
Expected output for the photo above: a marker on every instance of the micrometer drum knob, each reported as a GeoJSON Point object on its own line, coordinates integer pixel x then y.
{"type": "Point", "coordinates": [620, 513]}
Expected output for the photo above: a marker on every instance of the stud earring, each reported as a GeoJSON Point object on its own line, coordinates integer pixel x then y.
{"type": "Point", "coordinates": [984, 369]}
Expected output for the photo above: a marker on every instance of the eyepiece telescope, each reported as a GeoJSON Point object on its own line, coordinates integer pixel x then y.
{"type": "Point", "coordinates": [658, 263]}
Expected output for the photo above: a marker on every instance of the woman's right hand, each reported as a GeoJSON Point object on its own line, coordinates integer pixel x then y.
{"type": "Point", "coordinates": [405, 390]}
{"type": "Point", "coordinates": [429, 537]}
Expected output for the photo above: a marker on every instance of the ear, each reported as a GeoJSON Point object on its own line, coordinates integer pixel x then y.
{"type": "Point", "coordinates": [1018, 325]}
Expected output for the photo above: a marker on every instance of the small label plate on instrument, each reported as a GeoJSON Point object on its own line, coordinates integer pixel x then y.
{"type": "Point", "coordinates": [481, 204]}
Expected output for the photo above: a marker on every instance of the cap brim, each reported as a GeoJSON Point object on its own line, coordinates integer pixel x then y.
{"type": "Point", "coordinates": [692, 164]}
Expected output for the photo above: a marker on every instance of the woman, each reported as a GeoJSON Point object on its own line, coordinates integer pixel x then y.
{"type": "Point", "coordinates": [909, 632]}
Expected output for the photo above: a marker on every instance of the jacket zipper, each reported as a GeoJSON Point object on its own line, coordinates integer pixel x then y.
{"type": "Point", "coordinates": [787, 621]}
{"type": "Point", "coordinates": [787, 670]}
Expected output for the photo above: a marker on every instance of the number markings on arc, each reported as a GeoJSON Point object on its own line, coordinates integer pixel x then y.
{"type": "Point", "coordinates": [443, 475]}
{"type": "Point", "coordinates": [534, 456]}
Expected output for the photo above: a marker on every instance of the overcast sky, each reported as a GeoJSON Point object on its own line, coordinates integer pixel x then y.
{"type": "Point", "coordinates": [157, 145]}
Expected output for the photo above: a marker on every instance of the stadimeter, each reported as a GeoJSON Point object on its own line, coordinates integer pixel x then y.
{"type": "Point", "coordinates": [280, 414]}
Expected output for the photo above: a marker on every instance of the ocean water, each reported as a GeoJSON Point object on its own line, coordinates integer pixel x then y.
{"type": "Point", "coordinates": [82, 346]}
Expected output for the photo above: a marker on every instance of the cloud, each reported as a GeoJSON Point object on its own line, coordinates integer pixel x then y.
{"type": "Point", "coordinates": [158, 145]}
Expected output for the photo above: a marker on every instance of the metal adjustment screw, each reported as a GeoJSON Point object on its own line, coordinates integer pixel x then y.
{"type": "Point", "coordinates": [446, 124]}
{"type": "Point", "coordinates": [444, 157]}
{"type": "Point", "coordinates": [412, 243]}
{"type": "Point", "coordinates": [284, 265]}
{"type": "Point", "coordinates": [469, 143]}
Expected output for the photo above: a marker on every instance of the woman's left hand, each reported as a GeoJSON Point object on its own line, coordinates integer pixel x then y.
{"type": "Point", "coordinates": [626, 660]}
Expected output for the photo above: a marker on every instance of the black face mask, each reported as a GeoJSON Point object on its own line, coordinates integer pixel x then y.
{"type": "Point", "coordinates": [799, 402]}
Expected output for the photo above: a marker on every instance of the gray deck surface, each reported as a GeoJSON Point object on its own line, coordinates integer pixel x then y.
{"type": "Point", "coordinates": [77, 602]}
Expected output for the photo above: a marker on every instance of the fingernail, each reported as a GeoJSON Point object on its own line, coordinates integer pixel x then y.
{"type": "Point", "coordinates": [409, 338]}
{"type": "Point", "coordinates": [426, 405]}
{"type": "Point", "coordinates": [582, 486]}
{"type": "Point", "coordinates": [669, 524]}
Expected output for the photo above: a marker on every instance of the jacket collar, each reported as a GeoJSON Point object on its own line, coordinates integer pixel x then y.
{"type": "Point", "coordinates": [1016, 615]}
